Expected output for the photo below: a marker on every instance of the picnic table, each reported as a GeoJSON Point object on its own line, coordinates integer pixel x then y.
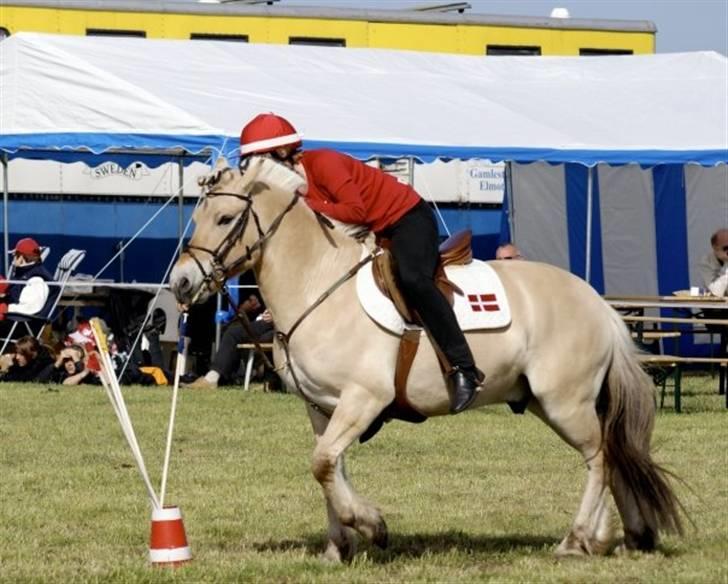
{"type": "Point", "coordinates": [686, 316]}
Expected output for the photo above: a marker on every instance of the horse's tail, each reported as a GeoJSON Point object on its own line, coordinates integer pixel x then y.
{"type": "Point", "coordinates": [628, 419]}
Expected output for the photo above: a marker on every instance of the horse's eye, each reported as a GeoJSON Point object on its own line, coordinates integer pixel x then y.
{"type": "Point", "coordinates": [225, 220]}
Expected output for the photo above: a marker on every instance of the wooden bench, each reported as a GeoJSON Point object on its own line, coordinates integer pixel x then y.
{"type": "Point", "coordinates": [671, 365]}
{"type": "Point", "coordinates": [656, 335]}
{"type": "Point", "coordinates": [250, 348]}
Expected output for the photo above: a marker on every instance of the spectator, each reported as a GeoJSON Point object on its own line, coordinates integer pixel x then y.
{"type": "Point", "coordinates": [70, 368]}
{"type": "Point", "coordinates": [713, 267]}
{"type": "Point", "coordinates": [27, 361]}
{"type": "Point", "coordinates": [34, 296]}
{"type": "Point", "coordinates": [227, 359]}
{"type": "Point", "coordinates": [508, 251]}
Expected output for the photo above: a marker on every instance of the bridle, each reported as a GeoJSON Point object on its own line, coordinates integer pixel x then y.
{"type": "Point", "coordinates": [214, 280]}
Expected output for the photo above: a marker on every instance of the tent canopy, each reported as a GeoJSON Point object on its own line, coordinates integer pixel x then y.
{"type": "Point", "coordinates": [78, 94]}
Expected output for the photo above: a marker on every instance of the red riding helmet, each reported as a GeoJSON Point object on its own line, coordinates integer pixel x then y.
{"type": "Point", "coordinates": [265, 133]}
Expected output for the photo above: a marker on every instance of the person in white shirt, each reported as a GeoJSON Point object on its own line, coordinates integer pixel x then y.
{"type": "Point", "coordinates": [713, 267]}
{"type": "Point", "coordinates": [33, 297]}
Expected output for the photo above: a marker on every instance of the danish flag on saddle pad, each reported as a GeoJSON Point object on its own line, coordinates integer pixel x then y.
{"type": "Point", "coordinates": [483, 304]}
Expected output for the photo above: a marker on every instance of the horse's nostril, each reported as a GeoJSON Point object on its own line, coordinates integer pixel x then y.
{"type": "Point", "coordinates": [184, 284]}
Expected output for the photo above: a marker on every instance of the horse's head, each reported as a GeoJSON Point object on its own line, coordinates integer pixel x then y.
{"type": "Point", "coordinates": [239, 212]}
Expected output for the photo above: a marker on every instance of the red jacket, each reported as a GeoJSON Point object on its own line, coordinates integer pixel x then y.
{"type": "Point", "coordinates": [352, 192]}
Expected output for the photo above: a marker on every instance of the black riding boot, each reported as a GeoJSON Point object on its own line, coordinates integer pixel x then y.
{"type": "Point", "coordinates": [465, 385]}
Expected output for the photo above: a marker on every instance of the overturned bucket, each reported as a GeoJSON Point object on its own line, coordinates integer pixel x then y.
{"type": "Point", "coordinates": [168, 541]}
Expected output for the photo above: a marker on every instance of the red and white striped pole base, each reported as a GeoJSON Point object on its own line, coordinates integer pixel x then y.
{"type": "Point", "coordinates": [168, 542]}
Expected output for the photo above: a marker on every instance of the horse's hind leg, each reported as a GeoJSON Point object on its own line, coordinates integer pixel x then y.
{"type": "Point", "coordinates": [578, 426]}
{"type": "Point", "coordinates": [345, 508]}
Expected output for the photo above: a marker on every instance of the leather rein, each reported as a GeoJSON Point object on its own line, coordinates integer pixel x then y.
{"type": "Point", "coordinates": [215, 279]}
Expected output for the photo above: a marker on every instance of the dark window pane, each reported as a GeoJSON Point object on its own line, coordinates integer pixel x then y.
{"type": "Point", "coordinates": [316, 41]}
{"type": "Point", "coordinates": [110, 32]}
{"type": "Point", "coordinates": [204, 36]}
{"type": "Point", "coordinates": [512, 50]}
{"type": "Point", "coordinates": [597, 52]}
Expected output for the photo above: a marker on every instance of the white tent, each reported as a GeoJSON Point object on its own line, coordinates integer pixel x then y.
{"type": "Point", "coordinates": [65, 92]}
{"type": "Point", "coordinates": [617, 164]}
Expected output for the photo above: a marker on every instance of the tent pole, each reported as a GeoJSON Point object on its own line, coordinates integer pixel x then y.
{"type": "Point", "coordinates": [6, 200]}
{"type": "Point", "coordinates": [181, 200]}
{"type": "Point", "coordinates": [509, 195]}
{"type": "Point", "coordinates": [589, 212]}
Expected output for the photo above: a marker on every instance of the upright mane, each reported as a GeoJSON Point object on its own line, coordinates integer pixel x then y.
{"type": "Point", "coordinates": [274, 174]}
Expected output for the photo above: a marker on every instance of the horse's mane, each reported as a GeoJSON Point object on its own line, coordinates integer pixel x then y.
{"type": "Point", "coordinates": [277, 175]}
{"type": "Point", "coordinates": [273, 173]}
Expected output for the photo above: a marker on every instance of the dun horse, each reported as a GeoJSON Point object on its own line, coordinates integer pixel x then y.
{"type": "Point", "coordinates": [566, 353]}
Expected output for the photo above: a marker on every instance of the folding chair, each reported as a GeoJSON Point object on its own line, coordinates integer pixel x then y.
{"type": "Point", "coordinates": [66, 266]}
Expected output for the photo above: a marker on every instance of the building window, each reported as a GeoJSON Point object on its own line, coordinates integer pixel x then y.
{"type": "Point", "coordinates": [317, 41]}
{"type": "Point", "coordinates": [599, 52]}
{"type": "Point", "coordinates": [110, 32]}
{"type": "Point", "coordinates": [521, 50]}
{"type": "Point", "coordinates": [204, 36]}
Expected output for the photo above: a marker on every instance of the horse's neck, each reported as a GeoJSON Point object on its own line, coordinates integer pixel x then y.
{"type": "Point", "coordinates": [300, 263]}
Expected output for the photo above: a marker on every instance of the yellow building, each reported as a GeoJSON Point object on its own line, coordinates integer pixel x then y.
{"type": "Point", "coordinates": [467, 34]}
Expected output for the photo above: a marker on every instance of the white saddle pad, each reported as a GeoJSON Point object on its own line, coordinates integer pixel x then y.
{"type": "Point", "coordinates": [483, 304]}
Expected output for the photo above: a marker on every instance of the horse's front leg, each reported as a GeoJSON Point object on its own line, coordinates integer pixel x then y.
{"type": "Point", "coordinates": [357, 408]}
{"type": "Point", "coordinates": [341, 545]}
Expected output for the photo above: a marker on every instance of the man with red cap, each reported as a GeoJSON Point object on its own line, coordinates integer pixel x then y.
{"type": "Point", "coordinates": [34, 296]}
{"type": "Point", "coordinates": [352, 192]}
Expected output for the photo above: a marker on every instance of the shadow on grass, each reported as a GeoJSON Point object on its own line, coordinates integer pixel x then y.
{"type": "Point", "coordinates": [422, 544]}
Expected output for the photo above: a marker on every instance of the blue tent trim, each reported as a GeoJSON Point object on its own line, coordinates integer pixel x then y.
{"type": "Point", "coordinates": [86, 145]}
{"type": "Point", "coordinates": [428, 153]}
{"type": "Point", "coordinates": [94, 148]}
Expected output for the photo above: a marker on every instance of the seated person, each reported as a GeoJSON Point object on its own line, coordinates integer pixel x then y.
{"type": "Point", "coordinates": [508, 251]}
{"type": "Point", "coordinates": [26, 361]}
{"type": "Point", "coordinates": [70, 368]}
{"type": "Point", "coordinates": [227, 359]}
{"type": "Point", "coordinates": [713, 267]}
{"type": "Point", "coordinates": [34, 296]}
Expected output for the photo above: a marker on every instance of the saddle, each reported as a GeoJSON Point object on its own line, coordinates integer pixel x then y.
{"type": "Point", "coordinates": [456, 250]}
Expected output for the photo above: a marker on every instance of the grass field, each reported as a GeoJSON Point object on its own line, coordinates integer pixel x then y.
{"type": "Point", "coordinates": [482, 496]}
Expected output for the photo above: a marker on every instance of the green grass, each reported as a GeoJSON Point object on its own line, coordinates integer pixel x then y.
{"type": "Point", "coordinates": [482, 496]}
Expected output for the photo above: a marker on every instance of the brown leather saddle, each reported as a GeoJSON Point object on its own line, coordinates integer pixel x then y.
{"type": "Point", "coordinates": [456, 250]}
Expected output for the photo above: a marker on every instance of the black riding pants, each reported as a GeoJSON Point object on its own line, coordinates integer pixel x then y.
{"type": "Point", "coordinates": [415, 244]}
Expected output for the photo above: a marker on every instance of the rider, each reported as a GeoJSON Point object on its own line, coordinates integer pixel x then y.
{"type": "Point", "coordinates": [352, 192]}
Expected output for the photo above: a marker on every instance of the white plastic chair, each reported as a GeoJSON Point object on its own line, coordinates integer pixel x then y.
{"type": "Point", "coordinates": [66, 266]}
{"type": "Point", "coordinates": [170, 335]}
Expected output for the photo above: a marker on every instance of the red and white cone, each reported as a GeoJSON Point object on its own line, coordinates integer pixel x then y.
{"type": "Point", "coordinates": [168, 542]}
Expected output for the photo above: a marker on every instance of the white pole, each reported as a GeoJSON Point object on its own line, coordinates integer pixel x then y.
{"type": "Point", "coordinates": [6, 226]}
{"type": "Point", "coordinates": [179, 370]}
{"type": "Point", "coordinates": [589, 211]}
{"type": "Point", "coordinates": [113, 390]}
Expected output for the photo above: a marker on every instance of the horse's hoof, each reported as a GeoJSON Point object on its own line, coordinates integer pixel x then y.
{"type": "Point", "coordinates": [338, 554]}
{"type": "Point", "coordinates": [381, 535]}
{"type": "Point", "coordinates": [572, 547]}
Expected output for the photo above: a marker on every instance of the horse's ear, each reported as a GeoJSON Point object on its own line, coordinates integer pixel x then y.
{"type": "Point", "coordinates": [221, 163]}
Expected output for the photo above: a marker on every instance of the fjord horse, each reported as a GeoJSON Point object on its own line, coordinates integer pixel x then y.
{"type": "Point", "coordinates": [566, 353]}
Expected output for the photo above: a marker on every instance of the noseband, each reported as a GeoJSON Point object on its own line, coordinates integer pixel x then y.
{"type": "Point", "coordinates": [215, 279]}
